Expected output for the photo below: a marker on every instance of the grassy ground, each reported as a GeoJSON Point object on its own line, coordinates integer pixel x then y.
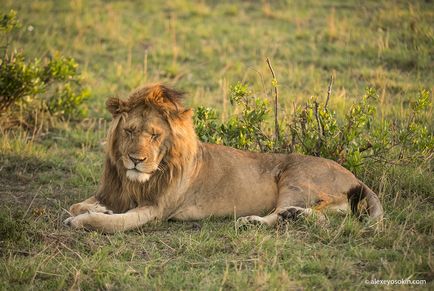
{"type": "Point", "coordinates": [203, 47]}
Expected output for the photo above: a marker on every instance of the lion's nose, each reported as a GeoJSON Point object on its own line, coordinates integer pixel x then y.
{"type": "Point", "coordinates": [136, 160]}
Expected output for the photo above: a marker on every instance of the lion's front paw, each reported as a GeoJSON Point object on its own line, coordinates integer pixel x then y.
{"type": "Point", "coordinates": [81, 208]}
{"type": "Point", "coordinates": [247, 221]}
{"type": "Point", "coordinates": [73, 222]}
{"type": "Point", "coordinates": [101, 208]}
{"type": "Point", "coordinates": [69, 221]}
{"type": "Point", "coordinates": [79, 221]}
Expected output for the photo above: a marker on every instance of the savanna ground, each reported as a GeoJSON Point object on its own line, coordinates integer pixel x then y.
{"type": "Point", "coordinates": [202, 47]}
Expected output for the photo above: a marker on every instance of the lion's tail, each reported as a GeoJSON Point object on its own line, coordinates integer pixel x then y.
{"type": "Point", "coordinates": [357, 194]}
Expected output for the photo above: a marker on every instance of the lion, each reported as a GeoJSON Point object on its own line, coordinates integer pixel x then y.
{"type": "Point", "coordinates": [156, 169]}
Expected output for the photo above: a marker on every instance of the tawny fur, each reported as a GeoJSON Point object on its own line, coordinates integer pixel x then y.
{"type": "Point", "coordinates": [179, 177]}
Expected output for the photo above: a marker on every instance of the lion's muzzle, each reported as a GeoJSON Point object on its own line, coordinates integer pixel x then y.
{"type": "Point", "coordinates": [136, 160]}
{"type": "Point", "coordinates": [139, 168]}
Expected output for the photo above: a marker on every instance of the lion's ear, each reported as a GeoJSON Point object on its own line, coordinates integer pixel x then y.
{"type": "Point", "coordinates": [115, 105]}
{"type": "Point", "coordinates": [165, 97]}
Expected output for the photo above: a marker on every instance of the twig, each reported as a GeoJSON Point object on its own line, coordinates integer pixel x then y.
{"type": "Point", "coordinates": [261, 77]}
{"type": "Point", "coordinates": [320, 130]}
{"type": "Point", "coordinates": [258, 141]}
{"type": "Point", "coordinates": [276, 97]}
{"type": "Point", "coordinates": [329, 92]}
{"type": "Point", "coordinates": [43, 262]}
{"type": "Point", "coordinates": [74, 252]}
{"type": "Point", "coordinates": [301, 141]}
{"type": "Point", "coordinates": [31, 202]}
{"type": "Point", "coordinates": [293, 131]}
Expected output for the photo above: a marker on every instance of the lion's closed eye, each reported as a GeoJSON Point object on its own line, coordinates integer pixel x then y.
{"type": "Point", "coordinates": [155, 136]}
{"type": "Point", "coordinates": [129, 132]}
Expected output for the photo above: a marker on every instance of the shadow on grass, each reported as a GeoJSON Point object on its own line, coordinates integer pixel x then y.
{"type": "Point", "coordinates": [17, 168]}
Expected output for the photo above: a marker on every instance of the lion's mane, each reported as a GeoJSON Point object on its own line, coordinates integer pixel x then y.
{"type": "Point", "coordinates": [119, 193]}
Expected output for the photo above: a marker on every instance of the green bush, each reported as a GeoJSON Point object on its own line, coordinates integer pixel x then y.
{"type": "Point", "coordinates": [51, 85]}
{"type": "Point", "coordinates": [359, 137]}
{"type": "Point", "coordinates": [353, 140]}
{"type": "Point", "coordinates": [242, 130]}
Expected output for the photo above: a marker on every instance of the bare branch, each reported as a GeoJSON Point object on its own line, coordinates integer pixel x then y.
{"type": "Point", "coordinates": [276, 97]}
{"type": "Point", "coordinates": [320, 129]}
{"type": "Point", "coordinates": [329, 92]}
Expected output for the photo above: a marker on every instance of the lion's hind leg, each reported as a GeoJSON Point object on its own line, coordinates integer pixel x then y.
{"type": "Point", "coordinates": [292, 204]}
{"type": "Point", "coordinates": [297, 202]}
{"type": "Point", "coordinates": [295, 213]}
{"type": "Point", "coordinates": [245, 221]}
{"type": "Point", "coordinates": [282, 215]}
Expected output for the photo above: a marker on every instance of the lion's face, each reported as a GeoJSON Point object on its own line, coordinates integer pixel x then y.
{"type": "Point", "coordinates": [150, 127]}
{"type": "Point", "coordinates": [143, 142]}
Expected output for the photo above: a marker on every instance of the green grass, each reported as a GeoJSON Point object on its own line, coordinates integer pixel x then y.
{"type": "Point", "coordinates": [203, 47]}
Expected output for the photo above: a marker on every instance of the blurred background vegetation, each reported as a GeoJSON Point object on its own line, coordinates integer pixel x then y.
{"type": "Point", "coordinates": [204, 46]}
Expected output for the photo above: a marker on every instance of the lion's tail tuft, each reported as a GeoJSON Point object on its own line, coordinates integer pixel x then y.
{"type": "Point", "coordinates": [360, 192]}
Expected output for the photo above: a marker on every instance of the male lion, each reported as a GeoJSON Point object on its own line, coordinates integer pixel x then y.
{"type": "Point", "coordinates": [156, 169]}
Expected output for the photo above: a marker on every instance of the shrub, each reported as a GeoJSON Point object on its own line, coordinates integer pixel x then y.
{"type": "Point", "coordinates": [242, 130]}
{"type": "Point", "coordinates": [51, 85]}
{"type": "Point", "coordinates": [353, 140]}
{"type": "Point", "coordinates": [359, 137]}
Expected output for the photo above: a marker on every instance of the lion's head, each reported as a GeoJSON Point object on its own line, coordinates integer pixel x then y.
{"type": "Point", "coordinates": [150, 140]}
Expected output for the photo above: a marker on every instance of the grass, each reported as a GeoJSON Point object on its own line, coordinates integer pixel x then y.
{"type": "Point", "coordinates": [203, 47]}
